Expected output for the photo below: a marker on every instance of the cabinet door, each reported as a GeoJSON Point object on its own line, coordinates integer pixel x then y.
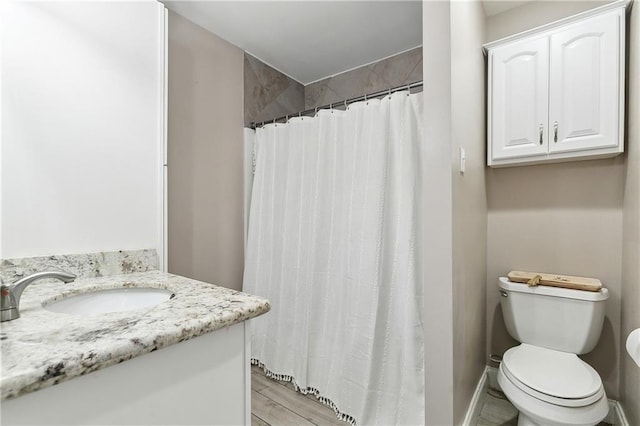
{"type": "Point", "coordinates": [584, 92]}
{"type": "Point", "coordinates": [519, 99]}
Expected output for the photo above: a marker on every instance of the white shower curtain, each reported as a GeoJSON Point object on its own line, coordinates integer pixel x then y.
{"type": "Point", "coordinates": [332, 244]}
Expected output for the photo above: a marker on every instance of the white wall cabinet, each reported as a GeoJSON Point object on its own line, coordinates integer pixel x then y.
{"type": "Point", "coordinates": [556, 93]}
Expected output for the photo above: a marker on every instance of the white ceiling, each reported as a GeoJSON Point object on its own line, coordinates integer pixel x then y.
{"type": "Point", "coordinates": [311, 40]}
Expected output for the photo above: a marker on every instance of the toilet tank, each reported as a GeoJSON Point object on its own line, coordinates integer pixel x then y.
{"type": "Point", "coordinates": [554, 318]}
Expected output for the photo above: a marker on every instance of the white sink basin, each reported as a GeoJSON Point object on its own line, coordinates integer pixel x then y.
{"type": "Point", "coordinates": [112, 300]}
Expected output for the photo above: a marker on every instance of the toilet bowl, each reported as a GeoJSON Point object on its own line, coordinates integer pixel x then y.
{"type": "Point", "coordinates": [552, 388]}
{"type": "Point", "coordinates": [543, 377]}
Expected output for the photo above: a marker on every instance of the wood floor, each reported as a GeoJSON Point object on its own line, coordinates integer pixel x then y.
{"type": "Point", "coordinates": [277, 403]}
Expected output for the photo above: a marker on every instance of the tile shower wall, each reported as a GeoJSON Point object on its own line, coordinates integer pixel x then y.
{"type": "Point", "coordinates": [403, 68]}
{"type": "Point", "coordinates": [269, 94]}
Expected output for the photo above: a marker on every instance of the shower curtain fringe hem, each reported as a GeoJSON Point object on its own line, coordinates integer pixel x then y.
{"type": "Point", "coordinates": [305, 391]}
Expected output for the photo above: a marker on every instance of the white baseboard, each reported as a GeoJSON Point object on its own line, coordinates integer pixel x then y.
{"type": "Point", "coordinates": [489, 379]}
{"type": "Point", "coordinates": [477, 401]}
{"type": "Point", "coordinates": [492, 378]}
{"type": "Point", "coordinates": [616, 414]}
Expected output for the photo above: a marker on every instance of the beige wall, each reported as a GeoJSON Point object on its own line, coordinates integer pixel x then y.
{"type": "Point", "coordinates": [455, 208]}
{"type": "Point", "coordinates": [436, 232]}
{"type": "Point", "coordinates": [205, 155]}
{"type": "Point", "coordinates": [534, 14]}
{"type": "Point", "coordinates": [469, 201]}
{"type": "Point", "coordinates": [562, 218]}
{"type": "Point", "coordinates": [629, 371]}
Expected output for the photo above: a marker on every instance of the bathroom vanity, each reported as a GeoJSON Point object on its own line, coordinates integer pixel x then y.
{"type": "Point", "coordinates": [182, 361]}
{"type": "Point", "coordinates": [89, 175]}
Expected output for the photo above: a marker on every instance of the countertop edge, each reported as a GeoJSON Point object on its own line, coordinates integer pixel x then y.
{"type": "Point", "coordinates": [57, 379]}
{"type": "Point", "coordinates": [230, 307]}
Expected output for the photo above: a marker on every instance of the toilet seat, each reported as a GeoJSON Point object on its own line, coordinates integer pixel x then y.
{"type": "Point", "coordinates": [534, 411]}
{"type": "Point", "coordinates": [555, 377]}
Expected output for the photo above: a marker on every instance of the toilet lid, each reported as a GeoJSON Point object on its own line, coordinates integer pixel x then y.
{"type": "Point", "coordinates": [554, 373]}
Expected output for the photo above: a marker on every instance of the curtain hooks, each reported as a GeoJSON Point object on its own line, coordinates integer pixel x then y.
{"type": "Point", "coordinates": [365, 99]}
{"type": "Point", "coordinates": [316, 113]}
{"type": "Point", "coordinates": [286, 118]}
{"type": "Point", "coordinates": [331, 107]}
{"type": "Point", "coordinates": [408, 89]}
{"type": "Point", "coordinates": [346, 107]}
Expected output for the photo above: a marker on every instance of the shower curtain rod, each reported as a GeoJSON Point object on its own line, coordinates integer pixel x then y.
{"type": "Point", "coordinates": [346, 102]}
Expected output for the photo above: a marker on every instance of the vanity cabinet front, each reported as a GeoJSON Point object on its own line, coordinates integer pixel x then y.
{"type": "Point", "coordinates": [557, 93]}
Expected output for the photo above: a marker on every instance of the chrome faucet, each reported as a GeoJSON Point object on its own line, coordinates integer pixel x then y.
{"type": "Point", "coordinates": [10, 295]}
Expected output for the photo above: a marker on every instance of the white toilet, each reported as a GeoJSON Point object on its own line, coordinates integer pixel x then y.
{"type": "Point", "coordinates": [543, 376]}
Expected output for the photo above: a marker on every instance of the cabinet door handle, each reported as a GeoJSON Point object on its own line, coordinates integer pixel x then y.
{"type": "Point", "coordinates": [541, 127]}
{"type": "Point", "coordinates": [555, 131]}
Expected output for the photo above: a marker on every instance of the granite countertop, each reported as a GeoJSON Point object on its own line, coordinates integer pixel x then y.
{"type": "Point", "coordinates": [43, 348]}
